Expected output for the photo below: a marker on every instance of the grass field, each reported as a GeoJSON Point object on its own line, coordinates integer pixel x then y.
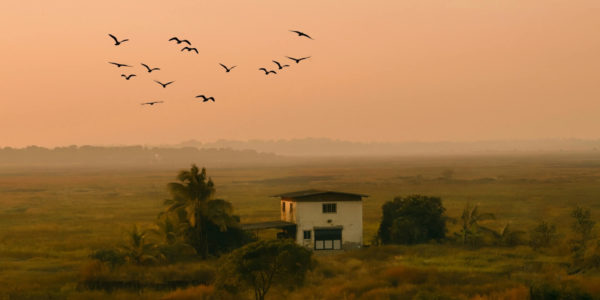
{"type": "Point", "coordinates": [51, 220]}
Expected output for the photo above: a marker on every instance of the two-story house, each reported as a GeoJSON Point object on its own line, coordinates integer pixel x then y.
{"type": "Point", "coordinates": [325, 220]}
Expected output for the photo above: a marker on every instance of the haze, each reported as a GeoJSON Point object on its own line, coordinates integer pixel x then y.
{"type": "Point", "coordinates": [394, 71]}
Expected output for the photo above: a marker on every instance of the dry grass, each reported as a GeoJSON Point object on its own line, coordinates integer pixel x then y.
{"type": "Point", "coordinates": [50, 221]}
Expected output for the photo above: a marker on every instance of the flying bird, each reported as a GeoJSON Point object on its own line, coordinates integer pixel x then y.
{"type": "Point", "coordinates": [280, 66]}
{"type": "Point", "coordinates": [180, 41]}
{"type": "Point", "coordinates": [190, 49]}
{"type": "Point", "coordinates": [150, 69]}
{"type": "Point", "coordinates": [164, 85]}
{"type": "Point", "coordinates": [300, 33]}
{"type": "Point", "coordinates": [267, 72]}
{"type": "Point", "coordinates": [206, 99]}
{"type": "Point", "coordinates": [152, 102]}
{"type": "Point", "coordinates": [227, 70]}
{"type": "Point", "coordinates": [127, 77]}
{"type": "Point", "coordinates": [118, 64]}
{"type": "Point", "coordinates": [297, 60]}
{"type": "Point", "coordinates": [117, 42]}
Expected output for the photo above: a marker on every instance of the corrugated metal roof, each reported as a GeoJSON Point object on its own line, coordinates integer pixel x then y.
{"type": "Point", "coordinates": [313, 192]}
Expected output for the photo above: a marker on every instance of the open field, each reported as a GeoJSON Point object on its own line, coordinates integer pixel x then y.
{"type": "Point", "coordinates": [51, 220]}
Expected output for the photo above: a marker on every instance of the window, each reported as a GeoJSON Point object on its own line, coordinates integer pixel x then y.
{"type": "Point", "coordinates": [283, 206]}
{"type": "Point", "coordinates": [329, 208]}
{"type": "Point", "coordinates": [291, 207]}
{"type": "Point", "coordinates": [307, 234]}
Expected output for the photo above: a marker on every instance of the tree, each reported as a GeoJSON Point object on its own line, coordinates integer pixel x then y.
{"type": "Point", "coordinates": [263, 264]}
{"type": "Point", "coordinates": [138, 250]}
{"type": "Point", "coordinates": [170, 233]}
{"type": "Point", "coordinates": [194, 208]}
{"type": "Point", "coordinates": [411, 220]}
{"type": "Point", "coordinates": [582, 228]}
{"type": "Point", "coordinates": [190, 199]}
{"type": "Point", "coordinates": [510, 237]}
{"type": "Point", "coordinates": [471, 231]}
{"type": "Point", "coordinates": [542, 235]}
{"type": "Point", "coordinates": [112, 257]}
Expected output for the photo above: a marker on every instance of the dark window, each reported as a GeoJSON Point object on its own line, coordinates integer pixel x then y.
{"type": "Point", "coordinates": [329, 208]}
{"type": "Point", "coordinates": [283, 206]}
{"type": "Point", "coordinates": [291, 208]}
{"type": "Point", "coordinates": [307, 234]}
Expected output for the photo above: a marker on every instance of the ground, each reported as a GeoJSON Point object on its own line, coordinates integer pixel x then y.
{"type": "Point", "coordinates": [51, 220]}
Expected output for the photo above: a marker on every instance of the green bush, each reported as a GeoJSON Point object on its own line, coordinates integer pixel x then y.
{"type": "Point", "coordinates": [547, 291]}
{"type": "Point", "coordinates": [412, 220]}
{"type": "Point", "coordinates": [263, 264]}
{"type": "Point", "coordinates": [111, 257]}
{"type": "Point", "coordinates": [542, 235]}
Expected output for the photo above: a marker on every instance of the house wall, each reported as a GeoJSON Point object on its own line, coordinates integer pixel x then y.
{"type": "Point", "coordinates": [288, 216]}
{"type": "Point", "coordinates": [310, 214]}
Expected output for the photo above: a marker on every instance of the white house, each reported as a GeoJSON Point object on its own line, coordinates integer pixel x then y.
{"type": "Point", "coordinates": [325, 220]}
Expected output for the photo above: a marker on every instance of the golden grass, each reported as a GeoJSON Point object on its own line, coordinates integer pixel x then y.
{"type": "Point", "coordinates": [200, 292]}
{"type": "Point", "coordinates": [50, 221]}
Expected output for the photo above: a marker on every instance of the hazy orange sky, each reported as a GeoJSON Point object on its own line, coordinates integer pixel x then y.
{"type": "Point", "coordinates": [419, 70]}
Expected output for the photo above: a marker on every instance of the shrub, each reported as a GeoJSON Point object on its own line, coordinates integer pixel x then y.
{"type": "Point", "coordinates": [97, 276]}
{"type": "Point", "coordinates": [111, 257]}
{"type": "Point", "coordinates": [412, 220]}
{"type": "Point", "coordinates": [582, 228]}
{"type": "Point", "coordinates": [200, 292]}
{"type": "Point", "coordinates": [546, 291]}
{"type": "Point", "coordinates": [542, 235]}
{"type": "Point", "coordinates": [265, 263]}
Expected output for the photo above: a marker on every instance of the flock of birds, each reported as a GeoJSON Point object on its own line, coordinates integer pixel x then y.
{"type": "Point", "coordinates": [188, 48]}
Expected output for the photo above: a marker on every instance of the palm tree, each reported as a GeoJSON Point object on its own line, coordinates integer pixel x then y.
{"type": "Point", "coordinates": [170, 233]}
{"type": "Point", "coordinates": [193, 205]}
{"type": "Point", "coordinates": [511, 237]}
{"type": "Point", "coordinates": [137, 249]}
{"type": "Point", "coordinates": [470, 219]}
{"type": "Point", "coordinates": [507, 236]}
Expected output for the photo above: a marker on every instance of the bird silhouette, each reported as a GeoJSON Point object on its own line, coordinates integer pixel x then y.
{"type": "Point", "coordinates": [297, 60]}
{"type": "Point", "coordinates": [118, 64]}
{"type": "Point", "coordinates": [301, 34]}
{"type": "Point", "coordinates": [150, 69]}
{"type": "Point", "coordinates": [227, 70]}
{"type": "Point", "coordinates": [117, 42]}
{"type": "Point", "coordinates": [164, 85]}
{"type": "Point", "coordinates": [280, 66]}
{"type": "Point", "coordinates": [127, 77]}
{"type": "Point", "coordinates": [180, 41]}
{"type": "Point", "coordinates": [206, 99]}
{"type": "Point", "coordinates": [190, 49]}
{"type": "Point", "coordinates": [267, 72]}
{"type": "Point", "coordinates": [152, 102]}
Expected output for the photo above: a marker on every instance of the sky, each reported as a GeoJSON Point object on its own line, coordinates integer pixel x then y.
{"type": "Point", "coordinates": [385, 71]}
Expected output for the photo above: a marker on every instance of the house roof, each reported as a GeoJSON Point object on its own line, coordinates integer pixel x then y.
{"type": "Point", "coordinates": [314, 192]}
{"type": "Point", "coordinates": [267, 225]}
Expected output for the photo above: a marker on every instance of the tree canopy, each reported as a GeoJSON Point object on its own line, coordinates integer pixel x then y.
{"type": "Point", "coordinates": [412, 219]}
{"type": "Point", "coordinates": [263, 264]}
{"type": "Point", "coordinates": [471, 232]}
{"type": "Point", "coordinates": [206, 224]}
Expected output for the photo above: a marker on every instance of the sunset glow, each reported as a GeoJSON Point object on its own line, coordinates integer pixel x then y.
{"type": "Point", "coordinates": [379, 71]}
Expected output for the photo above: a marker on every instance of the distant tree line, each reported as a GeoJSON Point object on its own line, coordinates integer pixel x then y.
{"type": "Point", "coordinates": [126, 155]}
